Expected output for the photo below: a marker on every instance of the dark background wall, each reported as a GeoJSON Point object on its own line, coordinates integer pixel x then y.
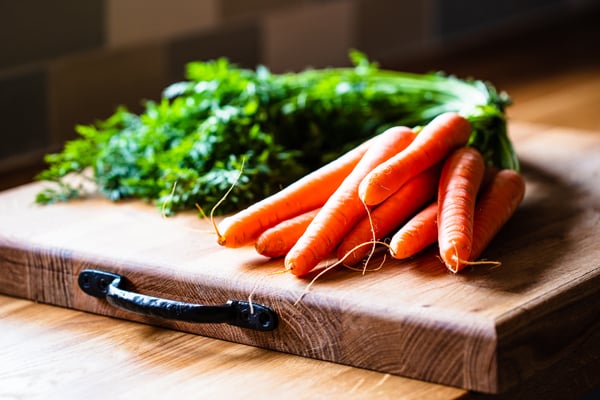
{"type": "Point", "coordinates": [67, 62]}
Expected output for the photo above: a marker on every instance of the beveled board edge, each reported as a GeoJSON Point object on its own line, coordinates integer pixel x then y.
{"type": "Point", "coordinates": [404, 341]}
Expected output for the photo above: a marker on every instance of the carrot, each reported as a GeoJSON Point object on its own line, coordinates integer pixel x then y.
{"type": "Point", "coordinates": [344, 208]}
{"type": "Point", "coordinates": [244, 227]}
{"type": "Point", "coordinates": [440, 136]}
{"type": "Point", "coordinates": [416, 234]}
{"type": "Point", "coordinates": [388, 216]}
{"type": "Point", "coordinates": [277, 241]}
{"type": "Point", "coordinates": [459, 184]}
{"type": "Point", "coordinates": [496, 204]}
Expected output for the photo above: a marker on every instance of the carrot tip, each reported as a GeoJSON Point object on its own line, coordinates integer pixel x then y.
{"type": "Point", "coordinates": [280, 271]}
{"type": "Point", "coordinates": [461, 264]}
{"type": "Point", "coordinates": [289, 267]}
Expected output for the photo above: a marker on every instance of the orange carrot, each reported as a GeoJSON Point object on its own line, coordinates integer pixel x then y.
{"type": "Point", "coordinates": [416, 234]}
{"type": "Point", "coordinates": [496, 204]}
{"type": "Point", "coordinates": [308, 193]}
{"type": "Point", "coordinates": [437, 139]}
{"type": "Point", "coordinates": [344, 208]}
{"type": "Point", "coordinates": [277, 241]}
{"type": "Point", "coordinates": [459, 184]}
{"type": "Point", "coordinates": [388, 216]}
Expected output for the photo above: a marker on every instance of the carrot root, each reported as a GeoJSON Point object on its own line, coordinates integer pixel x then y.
{"type": "Point", "coordinates": [416, 234]}
{"type": "Point", "coordinates": [438, 138]}
{"type": "Point", "coordinates": [277, 241]}
{"type": "Point", "coordinates": [388, 215]}
{"type": "Point", "coordinates": [459, 185]}
{"type": "Point", "coordinates": [497, 203]}
{"type": "Point", "coordinates": [344, 208]}
{"type": "Point", "coordinates": [350, 205]}
{"type": "Point", "coordinates": [244, 227]}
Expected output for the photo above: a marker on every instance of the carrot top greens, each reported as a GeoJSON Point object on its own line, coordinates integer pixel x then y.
{"type": "Point", "coordinates": [188, 147]}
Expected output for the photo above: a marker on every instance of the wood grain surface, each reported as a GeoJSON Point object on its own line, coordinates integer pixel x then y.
{"type": "Point", "coordinates": [486, 330]}
{"type": "Point", "coordinates": [51, 352]}
{"type": "Point", "coordinates": [54, 353]}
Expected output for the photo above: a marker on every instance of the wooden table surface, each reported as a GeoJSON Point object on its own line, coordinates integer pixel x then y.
{"type": "Point", "coordinates": [51, 352]}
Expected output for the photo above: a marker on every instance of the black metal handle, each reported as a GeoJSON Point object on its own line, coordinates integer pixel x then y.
{"type": "Point", "coordinates": [106, 285]}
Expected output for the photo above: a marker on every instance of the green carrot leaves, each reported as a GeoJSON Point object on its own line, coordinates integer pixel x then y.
{"type": "Point", "coordinates": [187, 148]}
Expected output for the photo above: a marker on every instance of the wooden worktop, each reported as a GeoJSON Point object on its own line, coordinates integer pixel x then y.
{"type": "Point", "coordinates": [43, 248]}
{"type": "Point", "coordinates": [71, 354]}
{"type": "Point", "coordinates": [51, 352]}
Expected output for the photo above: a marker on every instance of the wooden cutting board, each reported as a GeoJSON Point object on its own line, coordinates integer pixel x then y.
{"type": "Point", "coordinates": [486, 329]}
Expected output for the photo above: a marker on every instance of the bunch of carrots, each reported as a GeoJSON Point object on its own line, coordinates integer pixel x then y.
{"type": "Point", "coordinates": [401, 189]}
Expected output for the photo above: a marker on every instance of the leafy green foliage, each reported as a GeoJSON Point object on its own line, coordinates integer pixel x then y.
{"type": "Point", "coordinates": [189, 147]}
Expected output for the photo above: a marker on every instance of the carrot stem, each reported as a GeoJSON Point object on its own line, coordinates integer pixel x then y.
{"type": "Point", "coordinates": [389, 215]}
{"type": "Point", "coordinates": [245, 226]}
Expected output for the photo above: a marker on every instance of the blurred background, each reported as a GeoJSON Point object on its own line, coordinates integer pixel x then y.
{"type": "Point", "coordinates": [68, 62]}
